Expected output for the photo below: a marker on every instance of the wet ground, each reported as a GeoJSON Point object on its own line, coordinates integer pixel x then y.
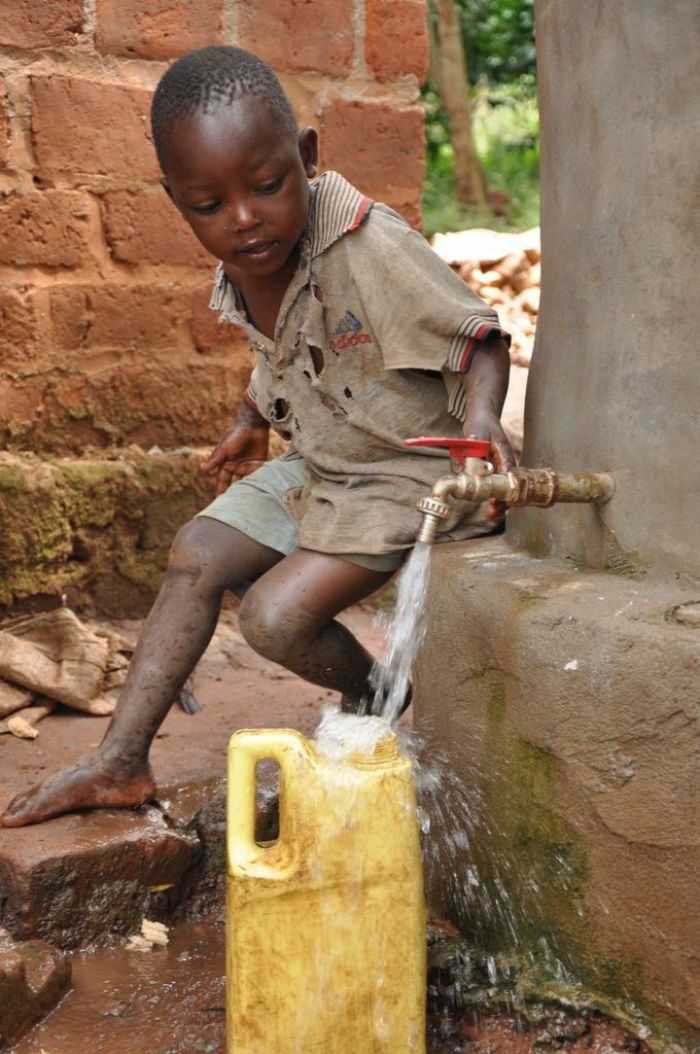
{"type": "Point", "coordinates": [171, 1001]}
{"type": "Point", "coordinates": [165, 1001]}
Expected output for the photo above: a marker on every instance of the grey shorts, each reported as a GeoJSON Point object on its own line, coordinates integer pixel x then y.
{"type": "Point", "coordinates": [255, 505]}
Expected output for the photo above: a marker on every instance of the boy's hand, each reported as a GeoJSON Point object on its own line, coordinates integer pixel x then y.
{"type": "Point", "coordinates": [486, 425]}
{"type": "Point", "coordinates": [239, 452]}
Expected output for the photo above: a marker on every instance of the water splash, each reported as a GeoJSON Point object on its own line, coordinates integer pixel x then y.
{"type": "Point", "coordinates": [339, 735]}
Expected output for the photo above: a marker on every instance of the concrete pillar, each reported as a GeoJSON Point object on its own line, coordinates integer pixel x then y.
{"type": "Point", "coordinates": [614, 382]}
{"type": "Point", "coordinates": [560, 668]}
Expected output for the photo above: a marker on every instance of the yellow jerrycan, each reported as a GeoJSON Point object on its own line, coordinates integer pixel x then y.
{"type": "Point", "coordinates": [326, 942]}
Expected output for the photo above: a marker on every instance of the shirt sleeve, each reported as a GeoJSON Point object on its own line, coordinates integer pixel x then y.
{"type": "Point", "coordinates": [424, 316]}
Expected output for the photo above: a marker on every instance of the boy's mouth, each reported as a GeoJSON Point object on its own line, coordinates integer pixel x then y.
{"type": "Point", "coordinates": [257, 250]}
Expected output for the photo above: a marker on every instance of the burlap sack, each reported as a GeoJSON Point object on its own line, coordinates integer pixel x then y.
{"type": "Point", "coordinates": [55, 655]}
{"type": "Point", "coordinates": [13, 698]}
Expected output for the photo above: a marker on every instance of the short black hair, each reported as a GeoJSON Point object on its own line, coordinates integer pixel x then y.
{"type": "Point", "coordinates": [208, 77]}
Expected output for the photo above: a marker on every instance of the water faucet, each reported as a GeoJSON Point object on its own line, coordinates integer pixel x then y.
{"type": "Point", "coordinates": [474, 479]}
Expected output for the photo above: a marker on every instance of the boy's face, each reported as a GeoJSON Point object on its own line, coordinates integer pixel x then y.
{"type": "Point", "coordinates": [242, 185]}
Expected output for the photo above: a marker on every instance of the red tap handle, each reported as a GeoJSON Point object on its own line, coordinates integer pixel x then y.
{"type": "Point", "coordinates": [459, 449]}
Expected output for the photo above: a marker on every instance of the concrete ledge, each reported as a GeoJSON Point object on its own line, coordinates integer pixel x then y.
{"type": "Point", "coordinates": [568, 704]}
{"type": "Point", "coordinates": [97, 529]}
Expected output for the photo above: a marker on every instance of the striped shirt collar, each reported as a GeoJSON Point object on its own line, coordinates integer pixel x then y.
{"type": "Point", "coordinates": [337, 208]}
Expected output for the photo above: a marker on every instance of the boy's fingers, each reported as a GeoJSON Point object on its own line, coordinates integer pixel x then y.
{"type": "Point", "coordinates": [223, 479]}
{"type": "Point", "coordinates": [231, 470]}
{"type": "Point", "coordinates": [213, 461]}
{"type": "Point", "coordinates": [503, 457]}
{"type": "Point", "coordinates": [244, 468]}
{"type": "Point", "coordinates": [495, 511]}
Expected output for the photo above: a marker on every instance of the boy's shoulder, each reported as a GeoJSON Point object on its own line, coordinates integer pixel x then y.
{"type": "Point", "coordinates": [339, 210]}
{"type": "Point", "coordinates": [371, 243]}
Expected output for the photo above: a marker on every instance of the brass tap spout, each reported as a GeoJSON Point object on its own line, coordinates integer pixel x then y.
{"type": "Point", "coordinates": [475, 480]}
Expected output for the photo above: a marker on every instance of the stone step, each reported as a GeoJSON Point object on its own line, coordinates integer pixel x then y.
{"type": "Point", "coordinates": [84, 878]}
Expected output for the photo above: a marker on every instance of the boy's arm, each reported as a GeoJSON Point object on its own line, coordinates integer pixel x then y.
{"type": "Point", "coordinates": [242, 449]}
{"type": "Point", "coordinates": [485, 386]}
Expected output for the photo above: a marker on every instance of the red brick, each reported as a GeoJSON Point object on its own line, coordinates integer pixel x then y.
{"type": "Point", "coordinates": [20, 405]}
{"type": "Point", "coordinates": [300, 34]}
{"type": "Point", "coordinates": [209, 335]}
{"type": "Point", "coordinates": [4, 124]}
{"type": "Point", "coordinates": [146, 227]}
{"type": "Point", "coordinates": [376, 147]}
{"type": "Point", "coordinates": [151, 401]}
{"type": "Point", "coordinates": [40, 23]}
{"type": "Point", "coordinates": [116, 317]}
{"type": "Point", "coordinates": [409, 207]}
{"type": "Point", "coordinates": [19, 329]}
{"type": "Point", "coordinates": [86, 126]}
{"type": "Point", "coordinates": [47, 228]}
{"type": "Point", "coordinates": [396, 38]}
{"type": "Point", "coordinates": [157, 29]}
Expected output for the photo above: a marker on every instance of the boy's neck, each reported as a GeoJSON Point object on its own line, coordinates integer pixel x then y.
{"type": "Point", "coordinates": [263, 296]}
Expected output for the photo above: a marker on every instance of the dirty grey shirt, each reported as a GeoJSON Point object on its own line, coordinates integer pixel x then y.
{"type": "Point", "coordinates": [371, 338]}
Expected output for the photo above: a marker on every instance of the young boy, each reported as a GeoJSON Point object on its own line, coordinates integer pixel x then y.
{"type": "Point", "coordinates": [363, 337]}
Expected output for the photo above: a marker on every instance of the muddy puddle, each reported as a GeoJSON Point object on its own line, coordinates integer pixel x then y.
{"type": "Point", "coordinates": [171, 1001]}
{"type": "Point", "coordinates": [166, 1001]}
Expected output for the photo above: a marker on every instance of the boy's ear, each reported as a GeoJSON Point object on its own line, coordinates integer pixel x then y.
{"type": "Point", "coordinates": [308, 148]}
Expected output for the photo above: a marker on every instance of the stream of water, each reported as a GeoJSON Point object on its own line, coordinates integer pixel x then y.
{"type": "Point", "coordinates": [405, 630]}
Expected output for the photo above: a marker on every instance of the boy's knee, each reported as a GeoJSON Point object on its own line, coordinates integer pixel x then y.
{"type": "Point", "coordinates": [270, 629]}
{"type": "Point", "coordinates": [188, 549]}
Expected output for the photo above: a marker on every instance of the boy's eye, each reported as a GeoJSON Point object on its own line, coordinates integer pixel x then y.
{"type": "Point", "coordinates": [270, 187]}
{"type": "Point", "coordinates": [208, 206]}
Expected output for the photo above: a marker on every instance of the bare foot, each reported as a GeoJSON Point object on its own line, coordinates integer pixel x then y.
{"type": "Point", "coordinates": [88, 784]}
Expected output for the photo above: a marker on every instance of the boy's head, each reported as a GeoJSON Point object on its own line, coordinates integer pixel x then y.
{"type": "Point", "coordinates": [234, 161]}
{"type": "Point", "coordinates": [211, 77]}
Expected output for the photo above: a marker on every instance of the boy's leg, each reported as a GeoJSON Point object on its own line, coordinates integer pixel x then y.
{"type": "Point", "coordinates": [288, 616]}
{"type": "Point", "coordinates": [207, 558]}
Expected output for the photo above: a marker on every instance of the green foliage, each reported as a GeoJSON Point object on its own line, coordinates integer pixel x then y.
{"type": "Point", "coordinates": [499, 41]}
{"type": "Point", "coordinates": [506, 134]}
{"type": "Point", "coordinates": [499, 37]}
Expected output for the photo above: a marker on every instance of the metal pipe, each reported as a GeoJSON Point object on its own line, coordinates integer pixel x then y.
{"type": "Point", "coordinates": [523, 486]}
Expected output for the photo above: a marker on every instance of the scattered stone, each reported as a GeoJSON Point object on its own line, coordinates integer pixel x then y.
{"type": "Point", "coordinates": [687, 614]}
{"type": "Point", "coordinates": [137, 943]}
{"type": "Point", "coordinates": [33, 978]}
{"type": "Point", "coordinates": [504, 269]}
{"type": "Point", "coordinates": [155, 932]}
{"type": "Point", "coordinates": [23, 723]}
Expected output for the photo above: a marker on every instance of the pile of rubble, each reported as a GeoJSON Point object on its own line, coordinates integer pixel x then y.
{"type": "Point", "coordinates": [504, 269]}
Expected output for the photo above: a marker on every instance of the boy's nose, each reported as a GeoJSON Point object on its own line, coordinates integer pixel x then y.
{"type": "Point", "coordinates": [241, 217]}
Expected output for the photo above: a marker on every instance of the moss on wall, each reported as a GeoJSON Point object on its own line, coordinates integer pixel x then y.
{"type": "Point", "coordinates": [97, 530]}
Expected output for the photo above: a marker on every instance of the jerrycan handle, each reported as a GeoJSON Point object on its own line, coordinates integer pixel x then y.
{"type": "Point", "coordinates": [246, 748]}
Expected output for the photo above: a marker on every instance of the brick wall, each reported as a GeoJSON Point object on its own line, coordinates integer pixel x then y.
{"type": "Point", "coordinates": [105, 336]}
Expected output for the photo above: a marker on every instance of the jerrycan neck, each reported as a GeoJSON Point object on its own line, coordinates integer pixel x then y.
{"type": "Point", "coordinates": [385, 751]}
{"type": "Point", "coordinates": [365, 741]}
